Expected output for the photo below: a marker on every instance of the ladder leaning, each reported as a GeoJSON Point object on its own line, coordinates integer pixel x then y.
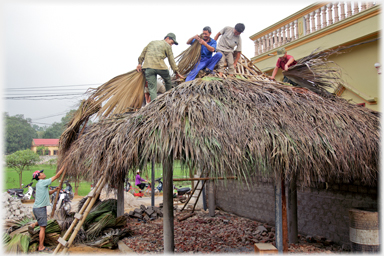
{"type": "Point", "coordinates": [80, 217]}
{"type": "Point", "coordinates": [198, 196]}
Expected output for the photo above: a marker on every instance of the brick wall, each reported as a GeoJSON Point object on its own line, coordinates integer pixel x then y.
{"type": "Point", "coordinates": [320, 211]}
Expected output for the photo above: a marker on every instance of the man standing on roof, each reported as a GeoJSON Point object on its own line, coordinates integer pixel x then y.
{"type": "Point", "coordinates": [229, 40]}
{"type": "Point", "coordinates": [208, 46]}
{"type": "Point", "coordinates": [284, 62]}
{"type": "Point", "coordinates": [153, 56]}
{"type": "Point", "coordinates": [41, 203]}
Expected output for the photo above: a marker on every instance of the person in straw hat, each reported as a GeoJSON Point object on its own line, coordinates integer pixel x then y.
{"type": "Point", "coordinates": [226, 46]}
{"type": "Point", "coordinates": [153, 56]}
{"type": "Point", "coordinates": [284, 61]}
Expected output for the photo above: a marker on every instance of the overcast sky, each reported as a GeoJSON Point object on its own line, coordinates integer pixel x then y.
{"type": "Point", "coordinates": [54, 48]}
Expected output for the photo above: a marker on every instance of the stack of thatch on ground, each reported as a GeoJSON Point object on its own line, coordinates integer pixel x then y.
{"type": "Point", "coordinates": [17, 239]}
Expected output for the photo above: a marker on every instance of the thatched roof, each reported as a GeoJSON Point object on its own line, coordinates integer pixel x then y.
{"type": "Point", "coordinates": [236, 127]}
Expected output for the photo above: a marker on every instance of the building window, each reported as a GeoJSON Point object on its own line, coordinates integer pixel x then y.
{"type": "Point", "coordinates": [54, 152]}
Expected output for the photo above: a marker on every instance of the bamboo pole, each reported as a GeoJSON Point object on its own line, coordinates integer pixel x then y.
{"type": "Point", "coordinates": [63, 175]}
{"type": "Point", "coordinates": [58, 193]}
{"type": "Point", "coordinates": [207, 178]}
{"type": "Point", "coordinates": [73, 236]}
{"type": "Point", "coordinates": [76, 220]}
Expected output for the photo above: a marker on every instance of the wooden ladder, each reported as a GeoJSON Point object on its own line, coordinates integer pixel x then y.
{"type": "Point", "coordinates": [80, 217]}
{"type": "Point", "coordinates": [198, 196]}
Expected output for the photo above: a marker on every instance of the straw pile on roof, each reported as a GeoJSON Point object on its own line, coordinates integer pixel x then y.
{"type": "Point", "coordinates": [240, 127]}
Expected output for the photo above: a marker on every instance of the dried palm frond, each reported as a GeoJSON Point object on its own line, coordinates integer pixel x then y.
{"type": "Point", "coordinates": [237, 127]}
{"type": "Point", "coordinates": [318, 74]}
{"type": "Point", "coordinates": [187, 60]}
{"type": "Point", "coordinates": [52, 227]}
{"type": "Point", "coordinates": [123, 93]}
{"type": "Point", "coordinates": [95, 228]}
{"type": "Point", "coordinates": [18, 244]}
{"type": "Point", "coordinates": [78, 120]}
{"type": "Point", "coordinates": [33, 247]}
{"type": "Point", "coordinates": [110, 239]}
{"type": "Point", "coordinates": [106, 206]}
{"type": "Point", "coordinates": [50, 238]}
{"type": "Point", "coordinates": [82, 202]}
{"type": "Point", "coordinates": [6, 238]}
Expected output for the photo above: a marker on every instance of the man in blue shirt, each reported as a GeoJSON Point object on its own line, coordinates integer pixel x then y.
{"type": "Point", "coordinates": [208, 46]}
{"type": "Point", "coordinates": [41, 203]}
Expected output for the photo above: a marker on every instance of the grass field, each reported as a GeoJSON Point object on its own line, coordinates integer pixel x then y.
{"type": "Point", "coordinates": [11, 177]}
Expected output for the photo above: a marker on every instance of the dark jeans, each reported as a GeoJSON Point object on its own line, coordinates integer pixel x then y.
{"type": "Point", "coordinates": [151, 77]}
{"type": "Point", "coordinates": [287, 80]}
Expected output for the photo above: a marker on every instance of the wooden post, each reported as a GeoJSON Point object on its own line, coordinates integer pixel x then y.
{"type": "Point", "coordinates": [284, 213]}
{"type": "Point", "coordinates": [153, 183]}
{"type": "Point", "coordinates": [211, 198]}
{"type": "Point", "coordinates": [278, 215]}
{"type": "Point", "coordinates": [168, 228]}
{"type": "Point", "coordinates": [120, 199]}
{"type": "Point", "coordinates": [292, 211]}
{"type": "Point", "coordinates": [57, 193]}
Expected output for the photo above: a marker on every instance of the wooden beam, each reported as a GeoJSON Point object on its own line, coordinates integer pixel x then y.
{"type": "Point", "coordinates": [168, 225]}
{"type": "Point", "coordinates": [208, 178]}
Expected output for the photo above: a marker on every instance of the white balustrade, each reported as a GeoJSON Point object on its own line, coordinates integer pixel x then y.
{"type": "Point", "coordinates": [342, 11]}
{"type": "Point", "coordinates": [325, 16]}
{"type": "Point", "coordinates": [292, 31]}
{"type": "Point", "coordinates": [307, 25]}
{"type": "Point", "coordinates": [356, 8]}
{"type": "Point", "coordinates": [312, 15]}
{"type": "Point", "coordinates": [318, 19]}
{"type": "Point", "coordinates": [283, 35]}
{"type": "Point", "coordinates": [363, 6]}
{"type": "Point", "coordinates": [288, 32]}
{"type": "Point", "coordinates": [336, 9]}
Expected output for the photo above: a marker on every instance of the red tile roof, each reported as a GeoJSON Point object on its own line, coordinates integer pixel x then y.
{"type": "Point", "coordinates": [45, 142]}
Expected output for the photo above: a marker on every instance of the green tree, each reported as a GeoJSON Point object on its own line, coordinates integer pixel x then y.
{"type": "Point", "coordinates": [18, 133]}
{"type": "Point", "coordinates": [21, 161]}
{"type": "Point", "coordinates": [56, 129]}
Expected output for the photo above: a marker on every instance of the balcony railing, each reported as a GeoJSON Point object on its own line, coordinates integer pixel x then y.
{"type": "Point", "coordinates": [308, 22]}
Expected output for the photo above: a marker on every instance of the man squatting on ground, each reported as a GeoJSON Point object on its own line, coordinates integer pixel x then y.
{"type": "Point", "coordinates": [153, 56]}
{"type": "Point", "coordinates": [208, 46]}
{"type": "Point", "coordinates": [229, 40]}
{"type": "Point", "coordinates": [41, 203]}
{"type": "Point", "coordinates": [284, 61]}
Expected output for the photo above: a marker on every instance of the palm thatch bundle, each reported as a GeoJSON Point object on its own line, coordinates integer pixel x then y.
{"type": "Point", "coordinates": [110, 239]}
{"type": "Point", "coordinates": [78, 120]}
{"type": "Point", "coordinates": [317, 73]}
{"type": "Point", "coordinates": [123, 93]}
{"type": "Point", "coordinates": [18, 244]}
{"type": "Point", "coordinates": [96, 213]}
{"type": "Point", "coordinates": [187, 60]}
{"type": "Point", "coordinates": [236, 127]}
{"type": "Point", "coordinates": [107, 220]}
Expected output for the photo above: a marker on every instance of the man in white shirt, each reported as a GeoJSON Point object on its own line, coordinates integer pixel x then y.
{"type": "Point", "coordinates": [229, 40]}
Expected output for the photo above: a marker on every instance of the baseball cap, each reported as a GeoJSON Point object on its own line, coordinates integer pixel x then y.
{"type": "Point", "coordinates": [280, 52]}
{"type": "Point", "coordinates": [173, 37]}
{"type": "Point", "coordinates": [36, 174]}
{"type": "Point", "coordinates": [137, 171]}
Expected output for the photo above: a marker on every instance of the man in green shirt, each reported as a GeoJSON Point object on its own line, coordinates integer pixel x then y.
{"type": "Point", "coordinates": [41, 203]}
{"type": "Point", "coordinates": [153, 56]}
